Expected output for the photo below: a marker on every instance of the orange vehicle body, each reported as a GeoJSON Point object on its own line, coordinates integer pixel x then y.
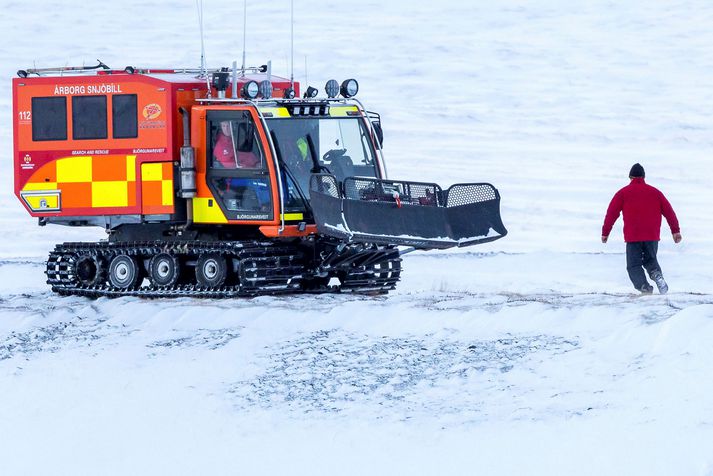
{"type": "Point", "coordinates": [102, 180]}
{"type": "Point", "coordinates": [104, 176]}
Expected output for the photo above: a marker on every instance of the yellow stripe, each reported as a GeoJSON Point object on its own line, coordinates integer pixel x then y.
{"type": "Point", "coordinates": [293, 216]}
{"type": "Point", "coordinates": [152, 172]}
{"type": "Point", "coordinates": [131, 168]}
{"type": "Point", "coordinates": [167, 192]}
{"type": "Point", "coordinates": [40, 186]}
{"type": "Point", "coordinates": [275, 111]}
{"type": "Point", "coordinates": [202, 213]}
{"type": "Point", "coordinates": [110, 194]}
{"type": "Point", "coordinates": [74, 169]}
{"type": "Point", "coordinates": [341, 111]}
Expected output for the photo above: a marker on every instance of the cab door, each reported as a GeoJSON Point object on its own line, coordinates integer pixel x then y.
{"type": "Point", "coordinates": [239, 171]}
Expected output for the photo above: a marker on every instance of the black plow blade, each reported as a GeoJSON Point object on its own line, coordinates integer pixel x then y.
{"type": "Point", "coordinates": [421, 215]}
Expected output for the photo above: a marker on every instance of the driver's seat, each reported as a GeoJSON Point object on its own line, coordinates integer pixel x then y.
{"type": "Point", "coordinates": [342, 167]}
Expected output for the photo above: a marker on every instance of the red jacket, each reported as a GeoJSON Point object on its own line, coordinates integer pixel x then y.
{"type": "Point", "coordinates": [643, 206]}
{"type": "Point", "coordinates": [224, 154]}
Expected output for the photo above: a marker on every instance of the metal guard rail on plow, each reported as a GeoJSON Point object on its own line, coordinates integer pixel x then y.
{"type": "Point", "coordinates": [418, 214]}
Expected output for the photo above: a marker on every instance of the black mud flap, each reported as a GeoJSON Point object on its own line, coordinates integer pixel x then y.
{"type": "Point", "coordinates": [414, 214]}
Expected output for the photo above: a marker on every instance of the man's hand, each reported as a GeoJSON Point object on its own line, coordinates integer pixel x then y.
{"type": "Point", "coordinates": [677, 237]}
{"type": "Point", "coordinates": [605, 238]}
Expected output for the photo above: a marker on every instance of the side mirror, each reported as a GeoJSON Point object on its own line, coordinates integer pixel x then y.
{"type": "Point", "coordinates": [375, 120]}
{"type": "Point", "coordinates": [379, 133]}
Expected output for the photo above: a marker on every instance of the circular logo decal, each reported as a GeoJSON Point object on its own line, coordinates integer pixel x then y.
{"type": "Point", "coordinates": [152, 111]}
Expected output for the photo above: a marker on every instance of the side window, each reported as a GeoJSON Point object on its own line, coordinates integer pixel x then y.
{"type": "Point", "coordinates": [124, 116]}
{"type": "Point", "coordinates": [89, 117]}
{"type": "Point", "coordinates": [49, 118]}
{"type": "Point", "coordinates": [235, 144]}
{"type": "Point", "coordinates": [237, 173]}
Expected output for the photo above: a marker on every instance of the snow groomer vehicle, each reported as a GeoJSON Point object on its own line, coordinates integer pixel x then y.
{"type": "Point", "coordinates": [223, 183]}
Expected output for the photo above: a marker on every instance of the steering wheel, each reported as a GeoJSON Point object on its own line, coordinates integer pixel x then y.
{"type": "Point", "coordinates": [333, 154]}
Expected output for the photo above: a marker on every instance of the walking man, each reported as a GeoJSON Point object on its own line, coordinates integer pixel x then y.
{"type": "Point", "coordinates": [643, 206]}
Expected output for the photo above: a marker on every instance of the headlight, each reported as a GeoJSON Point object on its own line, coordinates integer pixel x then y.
{"type": "Point", "coordinates": [349, 88]}
{"type": "Point", "coordinates": [250, 90]}
{"type": "Point", "coordinates": [265, 89]}
{"type": "Point", "coordinates": [332, 88]}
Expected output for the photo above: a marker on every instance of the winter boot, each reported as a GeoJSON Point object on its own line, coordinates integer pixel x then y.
{"type": "Point", "coordinates": [646, 289]}
{"type": "Point", "coordinates": [660, 282]}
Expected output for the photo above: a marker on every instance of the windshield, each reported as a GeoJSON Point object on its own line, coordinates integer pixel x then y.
{"type": "Point", "coordinates": [341, 146]}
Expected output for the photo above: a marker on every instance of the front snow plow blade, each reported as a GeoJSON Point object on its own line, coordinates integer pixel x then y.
{"type": "Point", "coordinates": [416, 214]}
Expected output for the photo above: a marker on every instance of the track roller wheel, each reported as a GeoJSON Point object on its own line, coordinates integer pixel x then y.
{"type": "Point", "coordinates": [211, 270]}
{"type": "Point", "coordinates": [164, 270]}
{"type": "Point", "coordinates": [124, 272]}
{"type": "Point", "coordinates": [90, 270]}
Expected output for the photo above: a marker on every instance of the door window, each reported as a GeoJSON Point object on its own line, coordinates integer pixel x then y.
{"type": "Point", "coordinates": [237, 167]}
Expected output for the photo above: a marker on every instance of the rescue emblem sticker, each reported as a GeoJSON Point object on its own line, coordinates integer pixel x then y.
{"type": "Point", "coordinates": [151, 111]}
{"type": "Point", "coordinates": [27, 165]}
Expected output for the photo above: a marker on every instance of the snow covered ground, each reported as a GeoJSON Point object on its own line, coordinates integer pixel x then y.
{"type": "Point", "coordinates": [529, 355]}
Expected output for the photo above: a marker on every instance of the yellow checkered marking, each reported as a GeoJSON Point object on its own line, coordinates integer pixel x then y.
{"type": "Point", "coordinates": [167, 192]}
{"type": "Point", "coordinates": [39, 186]}
{"type": "Point", "coordinates": [110, 194]}
{"type": "Point", "coordinates": [74, 169]}
{"type": "Point", "coordinates": [74, 176]}
{"type": "Point", "coordinates": [202, 213]}
{"type": "Point", "coordinates": [162, 173]}
{"type": "Point", "coordinates": [151, 172]}
{"type": "Point", "coordinates": [131, 168]}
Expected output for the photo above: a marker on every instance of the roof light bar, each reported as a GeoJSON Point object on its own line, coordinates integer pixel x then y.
{"type": "Point", "coordinates": [309, 110]}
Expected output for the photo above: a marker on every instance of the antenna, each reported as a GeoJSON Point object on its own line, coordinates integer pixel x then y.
{"type": "Point", "coordinates": [245, 29]}
{"type": "Point", "coordinates": [292, 44]}
{"type": "Point", "coordinates": [203, 73]}
{"type": "Point", "coordinates": [199, 7]}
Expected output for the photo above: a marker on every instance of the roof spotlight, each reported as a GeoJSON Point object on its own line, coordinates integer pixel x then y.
{"type": "Point", "coordinates": [265, 89]}
{"type": "Point", "coordinates": [332, 88]}
{"type": "Point", "coordinates": [250, 90]}
{"type": "Point", "coordinates": [311, 92]}
{"type": "Point", "coordinates": [349, 88]}
{"type": "Point", "coordinates": [289, 93]}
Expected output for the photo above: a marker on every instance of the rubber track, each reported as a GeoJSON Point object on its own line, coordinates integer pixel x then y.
{"type": "Point", "coordinates": [266, 268]}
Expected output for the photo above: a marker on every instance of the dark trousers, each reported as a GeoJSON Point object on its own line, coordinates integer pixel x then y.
{"type": "Point", "coordinates": [641, 255]}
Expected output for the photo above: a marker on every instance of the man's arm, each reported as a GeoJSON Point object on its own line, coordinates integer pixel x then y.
{"type": "Point", "coordinates": [612, 215]}
{"type": "Point", "coordinates": [670, 215]}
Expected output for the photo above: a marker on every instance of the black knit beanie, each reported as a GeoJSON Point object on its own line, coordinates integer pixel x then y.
{"type": "Point", "coordinates": [637, 171]}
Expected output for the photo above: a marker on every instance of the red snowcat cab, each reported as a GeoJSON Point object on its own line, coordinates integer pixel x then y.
{"type": "Point", "coordinates": [217, 185]}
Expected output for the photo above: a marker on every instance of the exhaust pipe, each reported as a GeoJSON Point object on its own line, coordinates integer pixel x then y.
{"type": "Point", "coordinates": [187, 169]}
